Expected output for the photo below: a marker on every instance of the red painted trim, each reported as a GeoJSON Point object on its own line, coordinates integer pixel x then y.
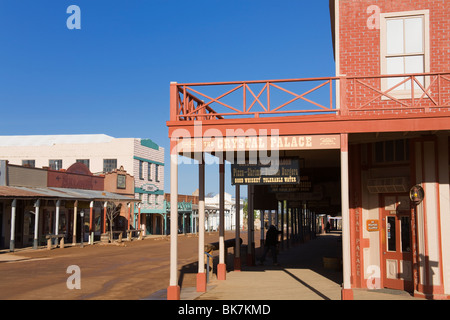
{"type": "Point", "coordinates": [310, 125]}
{"type": "Point", "coordinates": [347, 294]}
{"type": "Point", "coordinates": [356, 217]}
{"type": "Point", "coordinates": [104, 220]}
{"type": "Point", "coordinates": [91, 218]}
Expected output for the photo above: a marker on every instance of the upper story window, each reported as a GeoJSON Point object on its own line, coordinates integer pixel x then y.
{"type": "Point", "coordinates": [391, 151]}
{"type": "Point", "coordinates": [141, 170]}
{"type": "Point", "coordinates": [157, 173]}
{"type": "Point", "coordinates": [405, 49]}
{"type": "Point", "coordinates": [29, 163]}
{"type": "Point", "coordinates": [55, 164]}
{"type": "Point", "coordinates": [149, 171]}
{"type": "Point", "coordinates": [84, 161]}
{"type": "Point", "coordinates": [109, 165]}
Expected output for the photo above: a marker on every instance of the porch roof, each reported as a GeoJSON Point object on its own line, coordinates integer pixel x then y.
{"type": "Point", "coordinates": [16, 192]}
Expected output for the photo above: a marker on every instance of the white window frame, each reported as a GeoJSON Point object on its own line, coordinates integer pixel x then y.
{"type": "Point", "coordinates": [404, 94]}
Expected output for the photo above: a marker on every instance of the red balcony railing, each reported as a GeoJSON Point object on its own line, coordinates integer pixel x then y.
{"type": "Point", "coordinates": [398, 94]}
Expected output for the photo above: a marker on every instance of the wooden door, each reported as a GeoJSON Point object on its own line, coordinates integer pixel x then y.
{"type": "Point", "coordinates": [396, 243]}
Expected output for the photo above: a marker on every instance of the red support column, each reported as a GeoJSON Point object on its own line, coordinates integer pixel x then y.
{"type": "Point", "coordinates": [91, 212]}
{"type": "Point", "coordinates": [104, 217]}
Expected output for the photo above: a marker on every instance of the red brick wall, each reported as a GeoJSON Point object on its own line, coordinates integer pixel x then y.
{"type": "Point", "coordinates": [360, 46]}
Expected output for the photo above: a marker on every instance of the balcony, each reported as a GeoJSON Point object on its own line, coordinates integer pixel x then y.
{"type": "Point", "coordinates": [425, 92]}
{"type": "Point", "coordinates": [404, 96]}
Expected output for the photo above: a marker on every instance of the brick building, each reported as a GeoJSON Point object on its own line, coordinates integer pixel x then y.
{"type": "Point", "coordinates": [375, 137]}
{"type": "Point", "coordinates": [373, 39]}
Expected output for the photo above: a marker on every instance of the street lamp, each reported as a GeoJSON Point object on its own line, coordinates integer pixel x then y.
{"type": "Point", "coordinates": [82, 227]}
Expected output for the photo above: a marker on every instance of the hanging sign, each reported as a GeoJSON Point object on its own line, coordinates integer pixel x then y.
{"type": "Point", "coordinates": [284, 171]}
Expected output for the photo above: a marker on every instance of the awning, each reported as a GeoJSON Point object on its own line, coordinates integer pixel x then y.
{"type": "Point", "coordinates": [61, 194]}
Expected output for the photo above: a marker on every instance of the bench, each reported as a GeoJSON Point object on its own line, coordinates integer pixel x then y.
{"type": "Point", "coordinates": [139, 233]}
{"type": "Point", "coordinates": [50, 238]}
{"type": "Point", "coordinates": [120, 233]}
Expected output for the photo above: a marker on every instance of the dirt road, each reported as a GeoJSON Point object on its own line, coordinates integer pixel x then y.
{"type": "Point", "coordinates": [132, 271]}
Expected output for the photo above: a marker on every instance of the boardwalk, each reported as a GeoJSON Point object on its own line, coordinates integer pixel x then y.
{"type": "Point", "coordinates": [301, 275]}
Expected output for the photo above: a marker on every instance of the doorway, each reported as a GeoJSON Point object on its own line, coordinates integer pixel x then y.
{"type": "Point", "coordinates": [396, 242]}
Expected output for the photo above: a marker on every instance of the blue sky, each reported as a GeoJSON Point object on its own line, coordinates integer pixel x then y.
{"type": "Point", "coordinates": [112, 76]}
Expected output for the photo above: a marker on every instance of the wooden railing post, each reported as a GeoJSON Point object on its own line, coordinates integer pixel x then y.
{"type": "Point", "coordinates": [173, 101]}
{"type": "Point", "coordinates": [343, 95]}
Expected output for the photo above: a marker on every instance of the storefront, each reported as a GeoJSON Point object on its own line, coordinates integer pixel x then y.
{"type": "Point", "coordinates": [380, 127]}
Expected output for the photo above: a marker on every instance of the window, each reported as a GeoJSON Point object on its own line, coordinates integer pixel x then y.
{"type": "Point", "coordinates": [109, 165]}
{"type": "Point", "coordinates": [55, 164]}
{"type": "Point", "coordinates": [29, 163]}
{"type": "Point", "coordinates": [404, 49]}
{"type": "Point", "coordinates": [141, 170]}
{"type": "Point", "coordinates": [391, 151]}
{"type": "Point", "coordinates": [405, 225]}
{"type": "Point", "coordinates": [84, 161]}
{"type": "Point", "coordinates": [121, 181]}
{"type": "Point", "coordinates": [156, 173]}
{"type": "Point", "coordinates": [391, 228]}
{"type": "Point", "coordinates": [149, 171]}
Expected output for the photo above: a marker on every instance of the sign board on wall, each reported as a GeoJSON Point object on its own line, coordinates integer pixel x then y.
{"type": "Point", "coordinates": [373, 225]}
{"type": "Point", "coordinates": [249, 143]}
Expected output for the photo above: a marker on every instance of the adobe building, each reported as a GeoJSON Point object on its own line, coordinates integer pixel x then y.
{"type": "Point", "coordinates": [375, 137]}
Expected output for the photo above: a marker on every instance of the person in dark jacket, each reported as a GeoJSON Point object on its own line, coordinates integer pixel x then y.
{"type": "Point", "coordinates": [271, 244]}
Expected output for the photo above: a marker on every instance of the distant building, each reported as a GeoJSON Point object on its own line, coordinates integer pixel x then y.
{"type": "Point", "coordinates": [212, 219]}
{"type": "Point", "coordinates": [142, 158]}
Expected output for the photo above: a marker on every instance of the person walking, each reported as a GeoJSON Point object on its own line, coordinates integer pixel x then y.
{"type": "Point", "coordinates": [271, 244]}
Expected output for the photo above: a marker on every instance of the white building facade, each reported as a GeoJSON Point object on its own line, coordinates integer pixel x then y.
{"type": "Point", "coordinates": [142, 158]}
{"type": "Point", "coordinates": [212, 220]}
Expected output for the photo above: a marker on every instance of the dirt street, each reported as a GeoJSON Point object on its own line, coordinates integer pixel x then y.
{"type": "Point", "coordinates": [133, 270]}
